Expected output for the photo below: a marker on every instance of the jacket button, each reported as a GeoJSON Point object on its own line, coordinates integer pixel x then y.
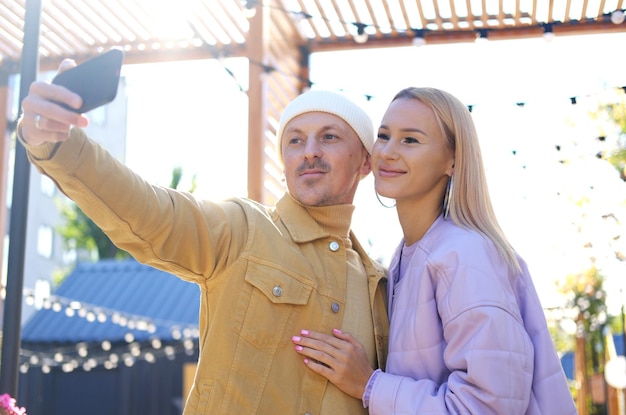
{"type": "Point", "coordinates": [335, 307]}
{"type": "Point", "coordinates": [277, 291]}
{"type": "Point", "coordinates": [334, 246]}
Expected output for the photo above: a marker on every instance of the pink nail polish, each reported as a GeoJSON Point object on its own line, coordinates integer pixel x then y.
{"type": "Point", "coordinates": [337, 331]}
{"type": "Point", "coordinates": [296, 338]}
{"type": "Point", "coordinates": [299, 348]}
{"type": "Point", "coordinates": [304, 332]}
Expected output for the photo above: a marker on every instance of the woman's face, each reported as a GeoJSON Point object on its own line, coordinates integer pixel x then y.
{"type": "Point", "coordinates": [411, 160]}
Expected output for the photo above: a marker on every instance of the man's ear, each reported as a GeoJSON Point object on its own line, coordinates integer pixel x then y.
{"type": "Point", "coordinates": [366, 167]}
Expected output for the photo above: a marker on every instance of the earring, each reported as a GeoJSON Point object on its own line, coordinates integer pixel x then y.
{"type": "Point", "coordinates": [447, 198]}
{"type": "Point", "coordinates": [381, 202]}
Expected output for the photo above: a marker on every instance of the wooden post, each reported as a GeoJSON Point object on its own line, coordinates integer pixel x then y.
{"type": "Point", "coordinates": [256, 49]}
{"type": "Point", "coordinates": [580, 368]}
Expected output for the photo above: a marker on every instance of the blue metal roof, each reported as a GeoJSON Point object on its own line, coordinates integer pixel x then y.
{"type": "Point", "coordinates": [111, 287]}
{"type": "Point", "coordinates": [567, 360]}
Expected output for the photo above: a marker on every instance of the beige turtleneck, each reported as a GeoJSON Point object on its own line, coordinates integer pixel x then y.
{"type": "Point", "coordinates": [357, 319]}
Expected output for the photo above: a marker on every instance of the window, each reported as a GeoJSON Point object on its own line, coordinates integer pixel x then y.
{"type": "Point", "coordinates": [44, 241]}
{"type": "Point", "coordinates": [47, 186]}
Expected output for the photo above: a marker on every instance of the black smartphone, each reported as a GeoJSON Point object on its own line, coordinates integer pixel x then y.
{"type": "Point", "coordinates": [95, 80]}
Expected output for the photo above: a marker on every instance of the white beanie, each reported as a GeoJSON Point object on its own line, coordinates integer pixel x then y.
{"type": "Point", "coordinates": [331, 103]}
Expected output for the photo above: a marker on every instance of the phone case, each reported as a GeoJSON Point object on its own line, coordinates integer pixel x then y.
{"type": "Point", "coordinates": [95, 80]}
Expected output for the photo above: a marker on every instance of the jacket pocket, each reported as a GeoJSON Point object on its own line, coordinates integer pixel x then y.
{"type": "Point", "coordinates": [273, 297]}
{"type": "Point", "coordinates": [200, 399]}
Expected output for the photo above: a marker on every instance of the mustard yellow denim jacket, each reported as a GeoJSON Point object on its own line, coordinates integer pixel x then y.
{"type": "Point", "coordinates": [262, 274]}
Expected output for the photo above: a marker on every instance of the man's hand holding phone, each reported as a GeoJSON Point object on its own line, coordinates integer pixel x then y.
{"type": "Point", "coordinates": [51, 109]}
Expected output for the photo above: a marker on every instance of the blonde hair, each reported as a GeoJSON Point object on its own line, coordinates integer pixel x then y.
{"type": "Point", "coordinates": [470, 204]}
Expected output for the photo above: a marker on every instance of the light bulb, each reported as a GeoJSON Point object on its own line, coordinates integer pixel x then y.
{"type": "Point", "coordinates": [548, 33]}
{"type": "Point", "coordinates": [617, 17]}
{"type": "Point", "coordinates": [481, 36]}
{"type": "Point", "coordinates": [419, 40]}
{"type": "Point", "coordinates": [249, 8]}
{"type": "Point", "coordinates": [360, 38]}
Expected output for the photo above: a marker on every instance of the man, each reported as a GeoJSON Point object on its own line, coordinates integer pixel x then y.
{"type": "Point", "coordinates": [264, 273]}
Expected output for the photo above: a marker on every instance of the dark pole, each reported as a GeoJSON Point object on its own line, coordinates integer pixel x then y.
{"type": "Point", "coordinates": [11, 337]}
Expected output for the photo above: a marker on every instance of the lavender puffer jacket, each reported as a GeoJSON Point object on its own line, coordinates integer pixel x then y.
{"type": "Point", "coordinates": [467, 335]}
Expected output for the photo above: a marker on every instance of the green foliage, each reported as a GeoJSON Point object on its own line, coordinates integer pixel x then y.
{"type": "Point", "coordinates": [587, 295]}
{"type": "Point", "coordinates": [79, 232]}
{"type": "Point", "coordinates": [612, 117]}
{"type": "Point", "coordinates": [177, 175]}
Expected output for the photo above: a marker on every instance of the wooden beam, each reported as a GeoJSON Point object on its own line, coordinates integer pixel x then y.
{"type": "Point", "coordinates": [448, 37]}
{"type": "Point", "coordinates": [256, 51]}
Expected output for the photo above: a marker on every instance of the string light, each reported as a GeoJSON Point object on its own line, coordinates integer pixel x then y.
{"type": "Point", "coordinates": [419, 38]}
{"type": "Point", "coordinates": [249, 8]}
{"type": "Point", "coordinates": [89, 356]}
{"type": "Point", "coordinates": [361, 36]}
{"type": "Point", "coordinates": [107, 353]}
{"type": "Point", "coordinates": [548, 32]}
{"type": "Point", "coordinates": [98, 314]}
{"type": "Point", "coordinates": [617, 17]}
{"type": "Point", "coordinates": [482, 35]}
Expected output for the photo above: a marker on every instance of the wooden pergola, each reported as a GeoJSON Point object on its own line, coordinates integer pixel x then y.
{"type": "Point", "coordinates": [276, 36]}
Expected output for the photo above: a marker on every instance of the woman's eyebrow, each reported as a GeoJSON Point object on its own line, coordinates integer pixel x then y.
{"type": "Point", "coordinates": [407, 129]}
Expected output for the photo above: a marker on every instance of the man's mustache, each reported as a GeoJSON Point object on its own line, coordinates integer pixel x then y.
{"type": "Point", "coordinates": [318, 165]}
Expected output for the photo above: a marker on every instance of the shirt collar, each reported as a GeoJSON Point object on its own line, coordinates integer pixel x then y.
{"type": "Point", "coordinates": [308, 223]}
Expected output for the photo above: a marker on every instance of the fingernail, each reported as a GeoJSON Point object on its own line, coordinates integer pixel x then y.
{"type": "Point", "coordinates": [298, 348]}
{"type": "Point", "coordinates": [304, 332]}
{"type": "Point", "coordinates": [306, 361]}
{"type": "Point", "coordinates": [296, 338]}
{"type": "Point", "coordinates": [337, 331]}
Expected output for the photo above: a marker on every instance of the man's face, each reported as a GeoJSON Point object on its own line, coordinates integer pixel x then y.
{"type": "Point", "coordinates": [324, 159]}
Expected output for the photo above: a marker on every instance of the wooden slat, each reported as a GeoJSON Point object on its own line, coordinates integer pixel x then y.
{"type": "Point", "coordinates": [310, 22]}
{"type": "Point", "coordinates": [342, 18]}
{"type": "Point", "coordinates": [437, 20]}
{"type": "Point", "coordinates": [533, 15]}
{"type": "Point", "coordinates": [454, 19]}
{"type": "Point", "coordinates": [566, 17]}
{"type": "Point", "coordinates": [373, 19]}
{"type": "Point", "coordinates": [390, 20]}
{"type": "Point", "coordinates": [405, 15]}
{"type": "Point", "coordinates": [484, 17]}
{"type": "Point", "coordinates": [421, 12]}
{"type": "Point", "coordinates": [326, 20]}
{"type": "Point", "coordinates": [583, 13]}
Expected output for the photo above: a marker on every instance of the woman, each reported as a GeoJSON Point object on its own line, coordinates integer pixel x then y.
{"type": "Point", "coordinates": [468, 333]}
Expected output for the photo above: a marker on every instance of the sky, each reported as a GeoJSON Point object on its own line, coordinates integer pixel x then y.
{"type": "Point", "coordinates": [520, 92]}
